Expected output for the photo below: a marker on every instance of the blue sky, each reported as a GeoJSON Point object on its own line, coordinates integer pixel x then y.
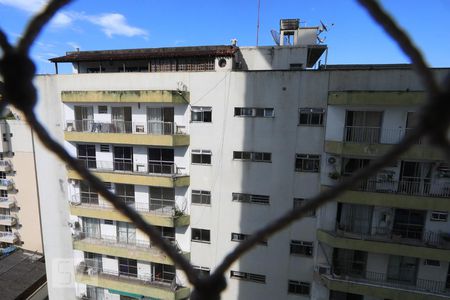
{"type": "Point", "coordinates": [118, 24]}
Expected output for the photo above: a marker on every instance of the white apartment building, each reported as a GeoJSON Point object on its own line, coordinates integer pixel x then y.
{"type": "Point", "coordinates": [210, 143]}
{"type": "Point", "coordinates": [19, 202]}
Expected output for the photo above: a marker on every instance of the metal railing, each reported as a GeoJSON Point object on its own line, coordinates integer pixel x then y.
{"type": "Point", "coordinates": [413, 236]}
{"type": "Point", "coordinates": [92, 267]}
{"type": "Point", "coordinates": [9, 183]}
{"type": "Point", "coordinates": [416, 284]}
{"type": "Point", "coordinates": [375, 135]}
{"type": "Point", "coordinates": [5, 164]}
{"type": "Point", "coordinates": [413, 187]}
{"type": "Point", "coordinates": [149, 127]}
{"type": "Point", "coordinates": [7, 234]}
{"type": "Point", "coordinates": [8, 200]}
{"type": "Point", "coordinates": [155, 206]}
{"type": "Point", "coordinates": [153, 168]}
{"type": "Point", "coordinates": [7, 218]}
{"type": "Point", "coordinates": [115, 241]}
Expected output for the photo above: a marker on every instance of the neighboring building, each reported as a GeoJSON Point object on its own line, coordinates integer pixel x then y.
{"type": "Point", "coordinates": [210, 143]}
{"type": "Point", "coordinates": [22, 276]}
{"type": "Point", "coordinates": [19, 202]}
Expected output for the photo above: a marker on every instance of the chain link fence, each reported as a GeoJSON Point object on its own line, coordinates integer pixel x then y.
{"type": "Point", "coordinates": [18, 71]}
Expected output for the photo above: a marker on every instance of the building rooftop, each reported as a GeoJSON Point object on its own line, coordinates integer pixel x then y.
{"type": "Point", "coordinates": [21, 273]}
{"type": "Point", "coordinates": [146, 53]}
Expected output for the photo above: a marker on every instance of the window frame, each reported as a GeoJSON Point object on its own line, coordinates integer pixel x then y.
{"type": "Point", "coordinates": [297, 287]}
{"type": "Point", "coordinates": [202, 195]}
{"type": "Point", "coordinates": [309, 113]}
{"type": "Point", "coordinates": [239, 275]}
{"type": "Point", "coordinates": [303, 201]}
{"type": "Point", "coordinates": [102, 109]}
{"type": "Point", "coordinates": [201, 233]}
{"type": "Point", "coordinates": [201, 154]}
{"type": "Point", "coordinates": [438, 216]}
{"type": "Point", "coordinates": [307, 248]}
{"type": "Point", "coordinates": [251, 198]}
{"type": "Point", "coordinates": [202, 111]}
{"type": "Point", "coordinates": [305, 161]}
{"type": "Point", "coordinates": [240, 237]}
{"type": "Point", "coordinates": [254, 112]}
{"type": "Point", "coordinates": [253, 156]}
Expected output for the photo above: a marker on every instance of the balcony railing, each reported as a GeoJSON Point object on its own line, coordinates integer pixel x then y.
{"type": "Point", "coordinates": [8, 183]}
{"type": "Point", "coordinates": [410, 186]}
{"type": "Point", "coordinates": [153, 168]}
{"type": "Point", "coordinates": [7, 201]}
{"type": "Point", "coordinates": [374, 135]}
{"type": "Point", "coordinates": [5, 165]}
{"type": "Point", "coordinates": [412, 237]}
{"type": "Point", "coordinates": [94, 268]}
{"type": "Point", "coordinates": [382, 279]}
{"type": "Point", "coordinates": [115, 241]}
{"type": "Point", "coordinates": [155, 206]}
{"type": "Point", "coordinates": [7, 219]}
{"type": "Point", "coordinates": [149, 127]}
{"type": "Point", "coordinates": [7, 237]}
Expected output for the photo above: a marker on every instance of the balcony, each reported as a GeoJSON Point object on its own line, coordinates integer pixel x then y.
{"type": "Point", "coordinates": [430, 245]}
{"type": "Point", "coordinates": [5, 165]}
{"type": "Point", "coordinates": [8, 237]}
{"type": "Point", "coordinates": [89, 272]}
{"type": "Point", "coordinates": [134, 249]}
{"type": "Point", "coordinates": [156, 133]}
{"type": "Point", "coordinates": [407, 186]}
{"type": "Point", "coordinates": [376, 141]}
{"type": "Point", "coordinates": [7, 220]}
{"type": "Point", "coordinates": [158, 215]}
{"type": "Point", "coordinates": [130, 96]}
{"type": "Point", "coordinates": [7, 202]}
{"type": "Point", "coordinates": [379, 285]}
{"type": "Point", "coordinates": [6, 184]}
{"type": "Point", "coordinates": [153, 174]}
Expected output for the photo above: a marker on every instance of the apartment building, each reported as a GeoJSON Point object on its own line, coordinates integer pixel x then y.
{"type": "Point", "coordinates": [210, 143]}
{"type": "Point", "coordinates": [19, 202]}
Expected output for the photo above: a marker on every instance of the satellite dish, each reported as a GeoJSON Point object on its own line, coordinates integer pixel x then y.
{"type": "Point", "coordinates": [321, 40]}
{"type": "Point", "coordinates": [275, 36]}
{"type": "Point", "coordinates": [323, 27]}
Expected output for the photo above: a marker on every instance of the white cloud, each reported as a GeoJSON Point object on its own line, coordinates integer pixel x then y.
{"type": "Point", "coordinates": [30, 6]}
{"type": "Point", "coordinates": [33, 6]}
{"type": "Point", "coordinates": [115, 24]}
{"type": "Point", "coordinates": [110, 23]}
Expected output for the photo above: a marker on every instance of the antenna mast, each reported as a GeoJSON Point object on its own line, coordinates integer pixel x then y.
{"type": "Point", "coordinates": [257, 24]}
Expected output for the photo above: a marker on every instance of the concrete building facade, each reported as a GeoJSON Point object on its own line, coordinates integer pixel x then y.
{"type": "Point", "coordinates": [211, 143]}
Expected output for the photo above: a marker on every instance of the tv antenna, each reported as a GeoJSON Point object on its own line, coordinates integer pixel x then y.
{"type": "Point", "coordinates": [275, 36]}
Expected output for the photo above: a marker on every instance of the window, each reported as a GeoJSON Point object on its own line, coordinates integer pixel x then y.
{"type": "Point", "coordinates": [239, 237]}
{"type": "Point", "coordinates": [311, 116]}
{"type": "Point", "coordinates": [104, 148]}
{"type": "Point", "coordinates": [201, 114]}
{"type": "Point", "coordinates": [123, 158]}
{"type": "Point", "coordinates": [201, 197]}
{"type": "Point", "coordinates": [253, 112]}
{"type": "Point", "coordinates": [86, 155]}
{"type": "Point", "coordinates": [109, 222]}
{"type": "Point", "coordinates": [202, 271]}
{"type": "Point", "coordinates": [201, 157]}
{"type": "Point", "coordinates": [87, 194]}
{"type": "Point", "coordinates": [248, 276]}
{"type": "Point", "coordinates": [253, 156]}
{"type": "Point", "coordinates": [2, 175]}
{"type": "Point", "coordinates": [301, 248]}
{"type": "Point", "coordinates": [162, 199]}
{"type": "Point", "coordinates": [307, 163]}
{"type": "Point", "coordinates": [296, 67]}
{"type": "Point", "coordinates": [108, 185]}
{"type": "Point", "coordinates": [432, 262]}
{"type": "Point", "coordinates": [439, 216]}
{"type": "Point", "coordinates": [298, 287]}
{"type": "Point", "coordinates": [3, 194]}
{"type": "Point", "coordinates": [249, 198]}
{"type": "Point", "coordinates": [201, 235]}
{"type": "Point", "coordinates": [125, 192]}
{"type": "Point", "coordinates": [161, 161]}
{"type": "Point", "coordinates": [127, 267]}
{"type": "Point", "coordinates": [299, 202]}
{"type": "Point", "coordinates": [102, 109]}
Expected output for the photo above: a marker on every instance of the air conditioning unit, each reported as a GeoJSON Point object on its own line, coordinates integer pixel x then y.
{"type": "Point", "coordinates": [323, 269]}
{"type": "Point", "coordinates": [332, 160]}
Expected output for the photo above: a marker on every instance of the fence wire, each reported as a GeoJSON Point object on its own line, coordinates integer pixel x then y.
{"type": "Point", "coordinates": [18, 72]}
